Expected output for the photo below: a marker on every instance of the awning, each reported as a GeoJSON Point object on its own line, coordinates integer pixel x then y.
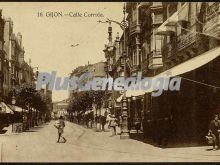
{"type": "Point", "coordinates": [182, 68]}
{"type": "Point", "coordinates": [131, 93]}
{"type": "Point", "coordinates": [25, 110]}
{"type": "Point", "coordinates": [17, 109]}
{"type": "Point", "coordinates": [170, 24]}
{"type": "Point", "coordinates": [5, 109]}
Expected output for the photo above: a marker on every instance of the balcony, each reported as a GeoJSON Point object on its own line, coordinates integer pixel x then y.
{"type": "Point", "coordinates": [134, 28]}
{"type": "Point", "coordinates": [212, 24]}
{"type": "Point", "coordinates": [185, 40]}
{"type": "Point", "coordinates": [155, 59]}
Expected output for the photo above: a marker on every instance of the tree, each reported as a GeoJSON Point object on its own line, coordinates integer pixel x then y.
{"type": "Point", "coordinates": [83, 100]}
{"type": "Point", "coordinates": [26, 95]}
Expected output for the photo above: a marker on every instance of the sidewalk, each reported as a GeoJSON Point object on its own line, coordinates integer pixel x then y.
{"type": "Point", "coordinates": [135, 147]}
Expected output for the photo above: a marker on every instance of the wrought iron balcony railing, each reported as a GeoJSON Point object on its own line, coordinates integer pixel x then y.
{"type": "Point", "coordinates": [212, 23]}
{"type": "Point", "coordinates": [185, 40]}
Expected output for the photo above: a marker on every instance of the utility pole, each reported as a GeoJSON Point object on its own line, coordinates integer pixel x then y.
{"type": "Point", "coordinates": [124, 127]}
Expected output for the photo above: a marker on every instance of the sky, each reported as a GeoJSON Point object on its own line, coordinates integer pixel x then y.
{"type": "Point", "coordinates": [47, 40]}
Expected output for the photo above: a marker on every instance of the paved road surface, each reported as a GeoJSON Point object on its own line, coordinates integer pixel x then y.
{"type": "Point", "coordinates": [85, 145]}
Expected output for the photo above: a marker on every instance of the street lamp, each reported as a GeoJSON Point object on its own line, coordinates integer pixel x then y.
{"type": "Point", "coordinates": [13, 102]}
{"type": "Point", "coordinates": [124, 125]}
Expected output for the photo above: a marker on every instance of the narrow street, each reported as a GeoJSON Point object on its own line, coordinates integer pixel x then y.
{"type": "Point", "coordinates": [85, 145]}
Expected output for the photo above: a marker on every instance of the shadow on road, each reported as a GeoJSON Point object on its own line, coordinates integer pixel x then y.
{"type": "Point", "coordinates": [167, 144]}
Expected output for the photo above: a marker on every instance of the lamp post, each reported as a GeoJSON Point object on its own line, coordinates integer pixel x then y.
{"type": "Point", "coordinates": [13, 102]}
{"type": "Point", "coordinates": [124, 125]}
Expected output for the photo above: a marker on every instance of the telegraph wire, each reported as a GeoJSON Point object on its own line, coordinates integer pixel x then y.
{"type": "Point", "coordinates": [198, 82]}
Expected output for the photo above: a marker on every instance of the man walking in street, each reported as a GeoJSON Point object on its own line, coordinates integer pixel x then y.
{"type": "Point", "coordinates": [60, 124]}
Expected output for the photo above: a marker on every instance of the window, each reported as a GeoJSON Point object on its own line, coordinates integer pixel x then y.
{"type": "Point", "coordinates": [140, 57]}
{"type": "Point", "coordinates": [152, 44]}
{"type": "Point", "coordinates": [158, 43]}
{"type": "Point", "coordinates": [134, 57]}
{"type": "Point", "coordinates": [134, 14]}
{"type": "Point", "coordinates": [184, 27]}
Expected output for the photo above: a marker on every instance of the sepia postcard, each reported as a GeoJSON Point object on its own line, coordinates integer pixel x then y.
{"type": "Point", "coordinates": [110, 81]}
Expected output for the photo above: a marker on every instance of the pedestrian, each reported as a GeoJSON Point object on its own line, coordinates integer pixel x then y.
{"type": "Point", "coordinates": [60, 124]}
{"type": "Point", "coordinates": [87, 119]}
{"type": "Point", "coordinates": [137, 124]}
{"type": "Point", "coordinates": [214, 131]}
{"type": "Point", "coordinates": [120, 123]}
{"type": "Point", "coordinates": [108, 119]}
{"type": "Point", "coordinates": [113, 124]}
{"type": "Point", "coordinates": [103, 119]}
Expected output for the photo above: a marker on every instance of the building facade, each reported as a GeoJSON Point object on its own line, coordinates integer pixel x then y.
{"type": "Point", "coordinates": [161, 37]}
{"type": "Point", "coordinates": [60, 109]}
{"type": "Point", "coordinates": [14, 71]}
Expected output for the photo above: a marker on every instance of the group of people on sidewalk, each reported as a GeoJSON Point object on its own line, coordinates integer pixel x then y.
{"type": "Point", "coordinates": [214, 131]}
{"type": "Point", "coordinates": [105, 119]}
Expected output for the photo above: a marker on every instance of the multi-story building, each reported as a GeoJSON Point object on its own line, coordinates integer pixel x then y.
{"type": "Point", "coordinates": [144, 49]}
{"type": "Point", "coordinates": [60, 109]}
{"type": "Point", "coordinates": [8, 30]}
{"type": "Point", "coordinates": [27, 73]}
{"type": "Point", "coordinates": [17, 56]}
{"type": "Point", "coordinates": [97, 70]}
{"type": "Point", "coordinates": [190, 32]}
{"type": "Point", "coordinates": [16, 70]}
{"type": "Point", "coordinates": [182, 37]}
{"type": "Point", "coordinates": [47, 95]}
{"type": "Point", "coordinates": [2, 58]}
